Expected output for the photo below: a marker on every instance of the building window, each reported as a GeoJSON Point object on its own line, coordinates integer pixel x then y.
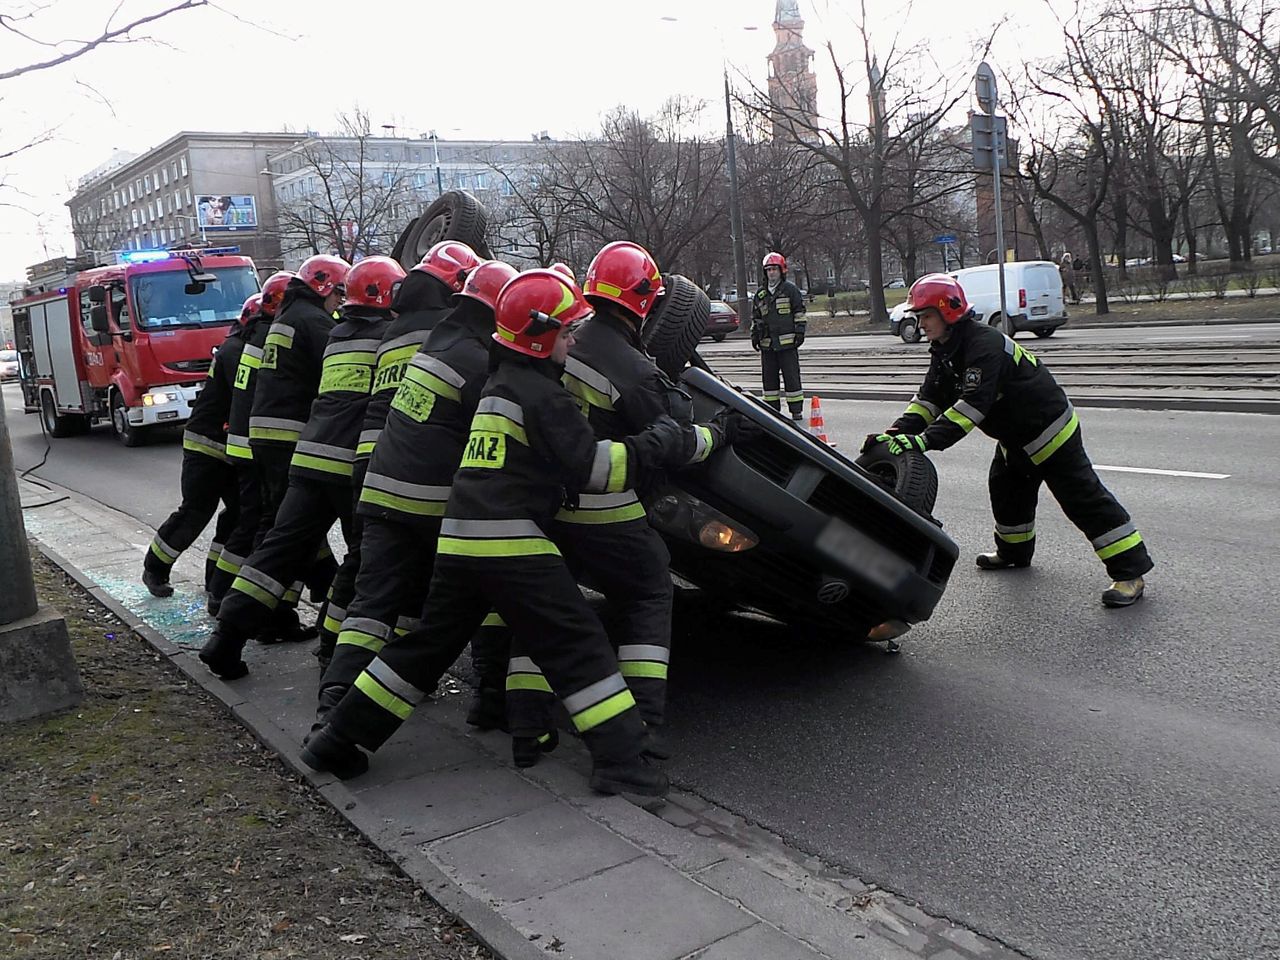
{"type": "Point", "coordinates": [146, 182]}
{"type": "Point", "coordinates": [164, 174]}
{"type": "Point", "coordinates": [182, 164]}
{"type": "Point", "coordinates": [174, 167]}
{"type": "Point", "coordinates": [132, 198]}
{"type": "Point", "coordinates": [481, 182]}
{"type": "Point", "coordinates": [188, 194]}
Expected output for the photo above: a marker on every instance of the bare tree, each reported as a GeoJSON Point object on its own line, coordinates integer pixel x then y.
{"type": "Point", "coordinates": [532, 221]}
{"type": "Point", "coordinates": [864, 158]}
{"type": "Point", "coordinates": [349, 201]}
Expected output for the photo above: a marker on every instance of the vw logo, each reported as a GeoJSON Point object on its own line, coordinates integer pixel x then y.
{"type": "Point", "coordinates": [833, 591]}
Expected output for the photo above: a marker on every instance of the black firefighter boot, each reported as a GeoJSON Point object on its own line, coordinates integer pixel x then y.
{"type": "Point", "coordinates": [639, 780]}
{"type": "Point", "coordinates": [526, 751]}
{"type": "Point", "coordinates": [995, 561]}
{"type": "Point", "coordinates": [329, 752]}
{"type": "Point", "coordinates": [285, 627]}
{"type": "Point", "coordinates": [157, 583]}
{"type": "Point", "coordinates": [221, 653]}
{"type": "Point", "coordinates": [330, 696]}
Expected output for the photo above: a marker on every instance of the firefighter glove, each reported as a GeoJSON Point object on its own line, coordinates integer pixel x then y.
{"type": "Point", "coordinates": [902, 442]}
{"type": "Point", "coordinates": [755, 337]}
{"type": "Point", "coordinates": [799, 336]}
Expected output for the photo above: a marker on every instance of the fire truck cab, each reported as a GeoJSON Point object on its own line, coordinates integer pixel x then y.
{"type": "Point", "coordinates": [130, 343]}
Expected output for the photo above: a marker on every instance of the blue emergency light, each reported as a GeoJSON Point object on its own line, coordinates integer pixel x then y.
{"type": "Point", "coordinates": [144, 256]}
{"type": "Point", "coordinates": [152, 256]}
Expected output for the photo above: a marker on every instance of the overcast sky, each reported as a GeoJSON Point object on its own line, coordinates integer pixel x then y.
{"type": "Point", "coordinates": [484, 69]}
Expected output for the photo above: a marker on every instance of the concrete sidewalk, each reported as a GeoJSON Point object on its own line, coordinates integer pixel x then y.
{"type": "Point", "coordinates": [532, 860]}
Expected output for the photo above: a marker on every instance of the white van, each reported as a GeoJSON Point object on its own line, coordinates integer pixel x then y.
{"type": "Point", "coordinates": [1033, 296]}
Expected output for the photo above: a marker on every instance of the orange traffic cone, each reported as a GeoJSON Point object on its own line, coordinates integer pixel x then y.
{"type": "Point", "coordinates": [816, 426]}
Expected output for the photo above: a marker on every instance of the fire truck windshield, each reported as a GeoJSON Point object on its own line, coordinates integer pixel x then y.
{"type": "Point", "coordinates": [160, 299]}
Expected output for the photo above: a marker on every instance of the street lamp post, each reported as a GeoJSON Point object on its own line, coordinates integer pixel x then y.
{"type": "Point", "coordinates": [435, 148]}
{"type": "Point", "coordinates": [735, 211]}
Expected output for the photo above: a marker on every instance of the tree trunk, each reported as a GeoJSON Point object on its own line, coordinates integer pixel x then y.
{"type": "Point", "coordinates": [1162, 230]}
{"type": "Point", "coordinates": [875, 270]}
{"type": "Point", "coordinates": [1096, 268]}
{"type": "Point", "coordinates": [1121, 208]}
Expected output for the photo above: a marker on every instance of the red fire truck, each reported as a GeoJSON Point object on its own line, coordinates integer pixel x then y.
{"type": "Point", "coordinates": [130, 343]}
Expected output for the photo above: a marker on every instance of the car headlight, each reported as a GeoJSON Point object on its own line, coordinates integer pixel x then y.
{"type": "Point", "coordinates": [688, 518]}
{"type": "Point", "coordinates": [158, 398]}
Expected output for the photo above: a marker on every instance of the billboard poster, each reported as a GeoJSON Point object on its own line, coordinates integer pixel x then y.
{"type": "Point", "coordinates": [226, 212]}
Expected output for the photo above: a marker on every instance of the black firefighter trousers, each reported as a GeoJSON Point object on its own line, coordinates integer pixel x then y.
{"type": "Point", "coordinates": [239, 542]}
{"type": "Point", "coordinates": [272, 460]}
{"type": "Point", "coordinates": [396, 560]}
{"type": "Point", "coordinates": [309, 509]}
{"type": "Point", "coordinates": [1014, 483]}
{"type": "Point", "coordinates": [206, 482]}
{"type": "Point", "coordinates": [343, 588]}
{"type": "Point", "coordinates": [788, 363]}
{"type": "Point", "coordinates": [628, 563]}
{"type": "Point", "coordinates": [539, 598]}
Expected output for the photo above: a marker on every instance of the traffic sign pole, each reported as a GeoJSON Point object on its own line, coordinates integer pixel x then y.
{"type": "Point", "coordinates": [984, 84]}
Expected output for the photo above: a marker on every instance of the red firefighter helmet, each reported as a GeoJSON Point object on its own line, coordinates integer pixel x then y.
{"type": "Point", "coordinates": [624, 273]}
{"type": "Point", "coordinates": [372, 282]}
{"type": "Point", "coordinates": [566, 270]}
{"type": "Point", "coordinates": [941, 292]}
{"type": "Point", "coordinates": [775, 259]}
{"type": "Point", "coordinates": [533, 307]}
{"type": "Point", "coordinates": [273, 291]}
{"type": "Point", "coordinates": [252, 307]}
{"type": "Point", "coordinates": [486, 281]}
{"type": "Point", "coordinates": [449, 261]}
{"type": "Point", "coordinates": [323, 273]}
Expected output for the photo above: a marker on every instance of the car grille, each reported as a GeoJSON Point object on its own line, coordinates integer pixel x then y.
{"type": "Point", "coordinates": [835, 497]}
{"type": "Point", "coordinates": [766, 456]}
{"type": "Point", "coordinates": [191, 366]}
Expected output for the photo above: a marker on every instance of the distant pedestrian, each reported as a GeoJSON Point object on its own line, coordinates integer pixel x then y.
{"type": "Point", "coordinates": [978, 377]}
{"type": "Point", "coordinates": [1066, 269]}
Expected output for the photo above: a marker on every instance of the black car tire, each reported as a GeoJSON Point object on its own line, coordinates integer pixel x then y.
{"type": "Point", "coordinates": [910, 476]}
{"type": "Point", "coordinates": [677, 323]}
{"type": "Point", "coordinates": [1044, 332]}
{"type": "Point", "coordinates": [909, 330]}
{"type": "Point", "coordinates": [123, 430]}
{"type": "Point", "coordinates": [56, 424]}
{"type": "Point", "coordinates": [455, 215]}
{"type": "Point", "coordinates": [719, 337]}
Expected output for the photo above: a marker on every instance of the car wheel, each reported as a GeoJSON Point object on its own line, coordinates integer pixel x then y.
{"type": "Point", "coordinates": [719, 337]}
{"type": "Point", "coordinates": [672, 331]}
{"type": "Point", "coordinates": [121, 428]}
{"type": "Point", "coordinates": [54, 424]}
{"type": "Point", "coordinates": [910, 476]}
{"type": "Point", "coordinates": [455, 215]}
{"type": "Point", "coordinates": [909, 331]}
{"type": "Point", "coordinates": [1044, 332]}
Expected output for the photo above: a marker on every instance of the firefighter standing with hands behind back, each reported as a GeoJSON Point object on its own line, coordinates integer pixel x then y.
{"type": "Point", "coordinates": [777, 330]}
{"type": "Point", "coordinates": [978, 377]}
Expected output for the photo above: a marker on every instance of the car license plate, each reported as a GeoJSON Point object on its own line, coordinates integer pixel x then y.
{"type": "Point", "coordinates": [1039, 311]}
{"type": "Point", "coordinates": [856, 551]}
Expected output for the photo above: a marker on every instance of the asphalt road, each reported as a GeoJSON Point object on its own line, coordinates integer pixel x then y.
{"type": "Point", "coordinates": [1075, 781]}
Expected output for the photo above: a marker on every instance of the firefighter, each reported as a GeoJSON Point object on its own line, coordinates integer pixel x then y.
{"type": "Point", "coordinates": [407, 483]}
{"type": "Point", "coordinates": [320, 490]}
{"type": "Point", "coordinates": [978, 377]}
{"type": "Point", "coordinates": [777, 331]}
{"type": "Point", "coordinates": [528, 444]}
{"type": "Point", "coordinates": [239, 542]}
{"type": "Point", "coordinates": [606, 538]}
{"type": "Point", "coordinates": [422, 300]}
{"type": "Point", "coordinates": [207, 475]}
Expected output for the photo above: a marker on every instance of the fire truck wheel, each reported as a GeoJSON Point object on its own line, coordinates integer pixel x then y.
{"type": "Point", "coordinates": [55, 424]}
{"type": "Point", "coordinates": [455, 215]}
{"type": "Point", "coordinates": [123, 430]}
{"type": "Point", "coordinates": [676, 324]}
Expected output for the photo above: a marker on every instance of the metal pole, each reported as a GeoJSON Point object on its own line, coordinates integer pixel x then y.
{"type": "Point", "coordinates": [18, 597]}
{"type": "Point", "coordinates": [735, 212]}
{"type": "Point", "coordinates": [996, 147]}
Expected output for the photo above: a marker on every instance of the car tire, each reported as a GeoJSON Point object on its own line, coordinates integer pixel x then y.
{"type": "Point", "coordinates": [719, 337]}
{"type": "Point", "coordinates": [1045, 332]}
{"type": "Point", "coordinates": [121, 428]}
{"type": "Point", "coordinates": [455, 215]}
{"type": "Point", "coordinates": [909, 331]}
{"type": "Point", "coordinates": [672, 331]}
{"type": "Point", "coordinates": [909, 476]}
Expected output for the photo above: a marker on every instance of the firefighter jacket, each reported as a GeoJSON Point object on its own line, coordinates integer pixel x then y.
{"type": "Point", "coordinates": [292, 362]}
{"type": "Point", "coordinates": [421, 302]}
{"type": "Point", "coordinates": [429, 418]}
{"type": "Point", "coordinates": [206, 430]}
{"type": "Point", "coordinates": [621, 391]}
{"type": "Point", "coordinates": [981, 378]}
{"type": "Point", "coordinates": [528, 447]}
{"type": "Point", "coordinates": [778, 315]}
{"type": "Point", "coordinates": [326, 449]}
{"type": "Point", "coordinates": [243, 387]}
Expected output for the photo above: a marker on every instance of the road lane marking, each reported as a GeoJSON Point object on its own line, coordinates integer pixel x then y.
{"type": "Point", "coordinates": [1165, 473]}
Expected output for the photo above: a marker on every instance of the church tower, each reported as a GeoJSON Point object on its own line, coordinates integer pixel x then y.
{"type": "Point", "coordinates": [793, 87]}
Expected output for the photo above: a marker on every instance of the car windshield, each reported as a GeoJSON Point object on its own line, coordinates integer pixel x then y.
{"type": "Point", "coordinates": [160, 299]}
{"type": "Point", "coordinates": [8, 356]}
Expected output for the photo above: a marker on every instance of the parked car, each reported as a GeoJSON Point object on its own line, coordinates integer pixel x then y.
{"type": "Point", "coordinates": [1033, 296]}
{"type": "Point", "coordinates": [902, 325]}
{"type": "Point", "coordinates": [8, 365]}
{"type": "Point", "coordinates": [897, 283]}
{"type": "Point", "coordinates": [782, 524]}
{"type": "Point", "coordinates": [722, 321]}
